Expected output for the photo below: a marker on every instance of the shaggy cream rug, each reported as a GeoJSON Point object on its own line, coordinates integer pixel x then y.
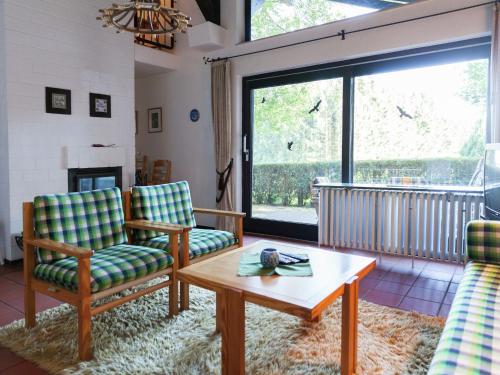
{"type": "Point", "coordinates": [137, 338]}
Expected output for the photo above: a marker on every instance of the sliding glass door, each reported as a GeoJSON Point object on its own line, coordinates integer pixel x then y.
{"type": "Point", "coordinates": [408, 118]}
{"type": "Point", "coordinates": [295, 137]}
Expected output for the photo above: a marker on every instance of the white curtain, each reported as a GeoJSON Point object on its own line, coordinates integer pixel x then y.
{"type": "Point", "coordinates": [495, 75]}
{"type": "Point", "coordinates": [221, 114]}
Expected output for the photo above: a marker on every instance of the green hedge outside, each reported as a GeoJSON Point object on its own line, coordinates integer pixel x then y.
{"type": "Point", "coordinates": [289, 184]}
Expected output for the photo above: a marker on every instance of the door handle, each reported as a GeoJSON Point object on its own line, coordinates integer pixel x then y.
{"type": "Point", "coordinates": [245, 148]}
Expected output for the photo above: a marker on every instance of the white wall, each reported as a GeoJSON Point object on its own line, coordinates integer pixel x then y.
{"type": "Point", "coordinates": [194, 85]}
{"type": "Point", "coordinates": [189, 145]}
{"type": "Point", "coordinates": [61, 45]}
{"type": "Point", "coordinates": [4, 147]}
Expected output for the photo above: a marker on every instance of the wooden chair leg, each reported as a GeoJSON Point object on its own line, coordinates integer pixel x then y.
{"type": "Point", "coordinates": [84, 314]}
{"type": "Point", "coordinates": [29, 307]}
{"type": "Point", "coordinates": [184, 296]}
{"type": "Point", "coordinates": [173, 307]}
{"type": "Point", "coordinates": [28, 266]}
{"type": "Point", "coordinates": [173, 300]}
{"type": "Point", "coordinates": [185, 263]}
{"type": "Point", "coordinates": [84, 331]}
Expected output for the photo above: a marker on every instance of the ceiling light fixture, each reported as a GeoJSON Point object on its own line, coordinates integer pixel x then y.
{"type": "Point", "coordinates": [145, 17]}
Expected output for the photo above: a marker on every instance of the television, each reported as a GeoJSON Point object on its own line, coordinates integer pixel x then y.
{"type": "Point", "coordinates": [492, 182]}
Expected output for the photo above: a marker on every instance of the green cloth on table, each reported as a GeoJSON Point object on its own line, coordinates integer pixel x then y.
{"type": "Point", "coordinates": [250, 266]}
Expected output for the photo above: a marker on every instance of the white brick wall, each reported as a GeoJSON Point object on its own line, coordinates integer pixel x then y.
{"type": "Point", "coordinates": [62, 45]}
{"type": "Point", "coordinates": [4, 151]}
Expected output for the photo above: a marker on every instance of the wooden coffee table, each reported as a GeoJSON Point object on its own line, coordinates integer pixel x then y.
{"type": "Point", "coordinates": [334, 275]}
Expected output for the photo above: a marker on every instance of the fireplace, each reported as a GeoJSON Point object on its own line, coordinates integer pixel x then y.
{"type": "Point", "coordinates": [84, 179]}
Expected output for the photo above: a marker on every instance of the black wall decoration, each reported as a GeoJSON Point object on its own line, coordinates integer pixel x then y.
{"type": "Point", "coordinates": [57, 101]}
{"type": "Point", "coordinates": [100, 105]}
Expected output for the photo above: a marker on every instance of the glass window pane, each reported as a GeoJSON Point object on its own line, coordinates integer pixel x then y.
{"type": "Point", "coordinates": [297, 136]}
{"type": "Point", "coordinates": [105, 182]}
{"type": "Point", "coordinates": [421, 126]}
{"type": "Point", "coordinates": [85, 184]}
{"type": "Point", "coordinates": [273, 17]}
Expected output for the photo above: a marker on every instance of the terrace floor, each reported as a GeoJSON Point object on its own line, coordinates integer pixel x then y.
{"type": "Point", "coordinates": [305, 215]}
{"type": "Point", "coordinates": [428, 288]}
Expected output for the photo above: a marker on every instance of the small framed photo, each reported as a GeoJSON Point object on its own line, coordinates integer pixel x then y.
{"type": "Point", "coordinates": [155, 120]}
{"type": "Point", "coordinates": [100, 105]}
{"type": "Point", "coordinates": [57, 101]}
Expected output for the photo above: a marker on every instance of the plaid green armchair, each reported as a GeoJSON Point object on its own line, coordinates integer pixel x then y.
{"type": "Point", "coordinates": [76, 250]}
{"type": "Point", "coordinates": [470, 343]}
{"type": "Point", "coordinates": [171, 203]}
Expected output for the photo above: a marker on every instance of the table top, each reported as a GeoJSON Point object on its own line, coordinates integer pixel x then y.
{"type": "Point", "coordinates": [305, 297]}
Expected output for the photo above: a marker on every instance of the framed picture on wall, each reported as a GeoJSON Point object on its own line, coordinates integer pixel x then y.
{"type": "Point", "coordinates": [100, 105]}
{"type": "Point", "coordinates": [57, 101]}
{"type": "Point", "coordinates": [155, 120]}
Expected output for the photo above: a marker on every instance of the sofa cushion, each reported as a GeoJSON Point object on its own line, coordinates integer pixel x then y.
{"type": "Point", "coordinates": [169, 203]}
{"type": "Point", "coordinates": [92, 220]}
{"type": "Point", "coordinates": [201, 241]}
{"type": "Point", "coordinates": [470, 343]}
{"type": "Point", "coordinates": [109, 267]}
{"type": "Point", "coordinates": [483, 241]}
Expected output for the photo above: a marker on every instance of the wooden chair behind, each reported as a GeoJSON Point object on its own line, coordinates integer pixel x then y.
{"type": "Point", "coordinates": [162, 172]}
{"type": "Point", "coordinates": [141, 167]}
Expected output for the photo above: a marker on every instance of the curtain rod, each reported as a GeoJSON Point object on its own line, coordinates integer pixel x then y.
{"type": "Point", "coordinates": [343, 33]}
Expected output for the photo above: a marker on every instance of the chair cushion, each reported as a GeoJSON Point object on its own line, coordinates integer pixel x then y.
{"type": "Point", "coordinates": [92, 220]}
{"type": "Point", "coordinates": [201, 241]}
{"type": "Point", "coordinates": [109, 267]}
{"type": "Point", "coordinates": [470, 341]}
{"type": "Point", "coordinates": [483, 241]}
{"type": "Point", "coordinates": [169, 203]}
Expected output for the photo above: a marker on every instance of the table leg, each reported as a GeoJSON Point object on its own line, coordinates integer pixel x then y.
{"type": "Point", "coordinates": [232, 327]}
{"type": "Point", "coordinates": [349, 327]}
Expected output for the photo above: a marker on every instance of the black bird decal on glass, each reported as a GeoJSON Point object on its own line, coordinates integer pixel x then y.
{"type": "Point", "coordinates": [263, 100]}
{"type": "Point", "coordinates": [315, 108]}
{"type": "Point", "coordinates": [403, 113]}
{"type": "Point", "coordinates": [290, 144]}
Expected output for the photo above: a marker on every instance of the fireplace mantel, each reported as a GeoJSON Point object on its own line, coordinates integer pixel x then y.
{"type": "Point", "coordinates": [94, 157]}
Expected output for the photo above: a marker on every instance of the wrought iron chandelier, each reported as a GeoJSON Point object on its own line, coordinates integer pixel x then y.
{"type": "Point", "coordinates": [145, 17]}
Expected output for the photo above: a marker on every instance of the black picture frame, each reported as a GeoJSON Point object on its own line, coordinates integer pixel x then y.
{"type": "Point", "coordinates": [155, 120]}
{"type": "Point", "coordinates": [100, 105]}
{"type": "Point", "coordinates": [57, 101]}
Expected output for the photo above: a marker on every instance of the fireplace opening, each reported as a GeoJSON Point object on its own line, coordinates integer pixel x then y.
{"type": "Point", "coordinates": [85, 179]}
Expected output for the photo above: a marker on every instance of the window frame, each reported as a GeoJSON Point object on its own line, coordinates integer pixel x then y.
{"type": "Point", "coordinates": [350, 69]}
{"type": "Point", "coordinates": [248, 21]}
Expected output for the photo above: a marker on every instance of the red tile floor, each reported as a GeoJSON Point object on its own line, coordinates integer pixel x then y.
{"type": "Point", "coordinates": [428, 288]}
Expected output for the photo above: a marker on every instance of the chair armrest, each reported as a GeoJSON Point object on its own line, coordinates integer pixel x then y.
{"type": "Point", "coordinates": [483, 241]}
{"type": "Point", "coordinates": [157, 226]}
{"type": "Point", "coordinates": [209, 211]}
{"type": "Point", "coordinates": [60, 247]}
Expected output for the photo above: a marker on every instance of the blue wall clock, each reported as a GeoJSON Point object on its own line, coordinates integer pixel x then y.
{"type": "Point", "coordinates": [194, 115]}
